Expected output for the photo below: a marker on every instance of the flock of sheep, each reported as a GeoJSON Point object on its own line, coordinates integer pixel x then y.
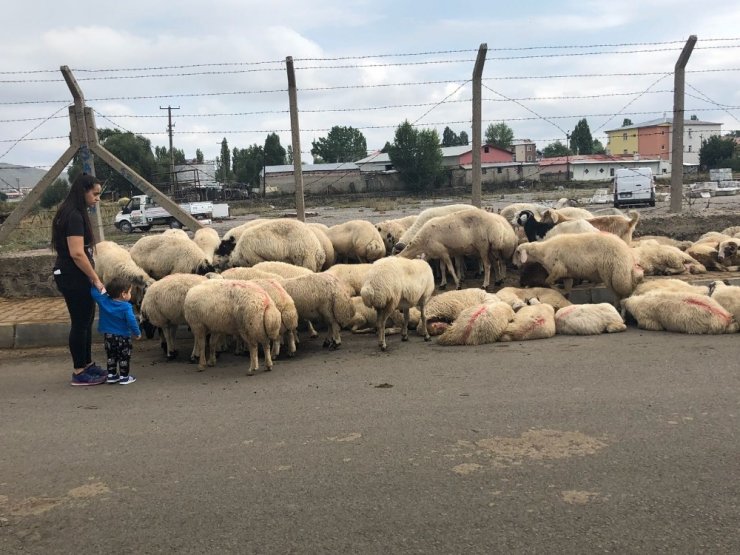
{"type": "Point", "coordinates": [252, 287]}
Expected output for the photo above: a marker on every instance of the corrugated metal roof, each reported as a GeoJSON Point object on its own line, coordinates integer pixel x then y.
{"type": "Point", "coordinates": [287, 168]}
{"type": "Point", "coordinates": [592, 159]}
{"type": "Point", "coordinates": [662, 121]}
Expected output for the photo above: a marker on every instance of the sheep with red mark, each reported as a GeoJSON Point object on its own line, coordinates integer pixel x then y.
{"type": "Point", "coordinates": [396, 283]}
{"type": "Point", "coordinates": [726, 295]}
{"type": "Point", "coordinates": [478, 325]}
{"type": "Point", "coordinates": [588, 319]}
{"type": "Point", "coordinates": [515, 296]}
{"type": "Point", "coordinates": [443, 309]}
{"type": "Point", "coordinates": [352, 274]}
{"type": "Point", "coordinates": [225, 307]}
{"type": "Point", "coordinates": [679, 312]}
{"type": "Point", "coordinates": [535, 320]}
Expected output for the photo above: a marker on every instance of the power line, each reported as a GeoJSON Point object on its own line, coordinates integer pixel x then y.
{"type": "Point", "coordinates": [23, 138]}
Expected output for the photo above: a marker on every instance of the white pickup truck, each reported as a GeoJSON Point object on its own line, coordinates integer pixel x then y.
{"type": "Point", "coordinates": [142, 212]}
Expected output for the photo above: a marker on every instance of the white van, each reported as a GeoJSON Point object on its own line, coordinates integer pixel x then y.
{"type": "Point", "coordinates": [634, 186]}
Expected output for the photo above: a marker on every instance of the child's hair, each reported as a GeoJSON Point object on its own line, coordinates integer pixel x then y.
{"type": "Point", "coordinates": [117, 286]}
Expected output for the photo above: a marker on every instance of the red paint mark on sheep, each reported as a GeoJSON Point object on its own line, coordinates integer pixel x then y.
{"type": "Point", "coordinates": [536, 323]}
{"type": "Point", "coordinates": [253, 287]}
{"type": "Point", "coordinates": [563, 312]}
{"type": "Point", "coordinates": [709, 308]}
{"type": "Point", "coordinates": [473, 318]}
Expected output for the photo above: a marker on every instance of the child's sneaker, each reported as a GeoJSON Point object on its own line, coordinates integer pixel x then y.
{"type": "Point", "coordinates": [113, 378]}
{"type": "Point", "coordinates": [125, 380]}
{"type": "Point", "coordinates": [86, 378]}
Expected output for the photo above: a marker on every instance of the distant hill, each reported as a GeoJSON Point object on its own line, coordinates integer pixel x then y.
{"type": "Point", "coordinates": [13, 177]}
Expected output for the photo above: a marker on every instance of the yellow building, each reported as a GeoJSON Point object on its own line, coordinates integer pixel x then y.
{"type": "Point", "coordinates": [622, 141]}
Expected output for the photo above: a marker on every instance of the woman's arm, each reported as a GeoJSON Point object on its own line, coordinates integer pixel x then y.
{"type": "Point", "coordinates": [76, 245]}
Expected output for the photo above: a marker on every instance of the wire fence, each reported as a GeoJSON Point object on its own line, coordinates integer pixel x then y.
{"type": "Point", "coordinates": [541, 91]}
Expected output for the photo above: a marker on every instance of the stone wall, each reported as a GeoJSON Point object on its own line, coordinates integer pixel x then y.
{"type": "Point", "coordinates": [27, 274]}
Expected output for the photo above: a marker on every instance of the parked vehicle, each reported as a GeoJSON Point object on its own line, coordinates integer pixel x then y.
{"type": "Point", "coordinates": [142, 212]}
{"type": "Point", "coordinates": [634, 187]}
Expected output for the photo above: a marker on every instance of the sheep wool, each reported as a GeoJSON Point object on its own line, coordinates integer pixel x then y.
{"type": "Point", "coordinates": [478, 325]}
{"type": "Point", "coordinates": [515, 295]}
{"type": "Point", "coordinates": [588, 319]}
{"type": "Point", "coordinates": [680, 312]}
{"type": "Point", "coordinates": [283, 269]}
{"type": "Point", "coordinates": [208, 241]}
{"type": "Point", "coordinates": [112, 260]}
{"type": "Point", "coordinates": [356, 239]}
{"type": "Point", "coordinates": [162, 255]}
{"type": "Point", "coordinates": [320, 230]}
{"type": "Point", "coordinates": [533, 321]}
{"type": "Point", "coordinates": [352, 274]}
{"type": "Point", "coordinates": [728, 296]}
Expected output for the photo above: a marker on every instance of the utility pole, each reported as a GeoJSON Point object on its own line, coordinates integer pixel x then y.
{"type": "Point", "coordinates": [300, 203]}
{"type": "Point", "coordinates": [170, 128]}
{"type": "Point", "coordinates": [678, 116]}
{"type": "Point", "coordinates": [477, 128]}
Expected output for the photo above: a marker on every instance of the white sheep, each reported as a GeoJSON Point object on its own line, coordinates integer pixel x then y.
{"type": "Point", "coordinates": [320, 230]}
{"type": "Point", "coordinates": [423, 217]}
{"type": "Point", "coordinates": [162, 255]}
{"type": "Point", "coordinates": [228, 242]}
{"type": "Point", "coordinates": [535, 320]}
{"type": "Point", "coordinates": [162, 307]}
{"type": "Point", "coordinates": [571, 226]}
{"type": "Point", "coordinates": [288, 314]}
{"type": "Point", "coordinates": [515, 295]}
{"type": "Point", "coordinates": [478, 325]}
{"type": "Point", "coordinates": [322, 296]}
{"type": "Point", "coordinates": [621, 226]}
{"type": "Point", "coordinates": [352, 274]}
{"type": "Point", "coordinates": [112, 260]}
{"type": "Point", "coordinates": [443, 309]}
{"type": "Point", "coordinates": [569, 212]}
{"type": "Point", "coordinates": [283, 269]}
{"type": "Point", "coordinates": [728, 296]}
{"type": "Point", "coordinates": [716, 253]}
{"type": "Point", "coordinates": [588, 319]}
{"type": "Point", "coordinates": [208, 241]}
{"type": "Point", "coordinates": [365, 319]}
{"type": "Point", "coordinates": [597, 257]}
{"type": "Point", "coordinates": [281, 240]}
{"type": "Point", "coordinates": [223, 307]}
{"type": "Point", "coordinates": [398, 284]}
{"type": "Point", "coordinates": [356, 239]}
{"type": "Point", "coordinates": [249, 273]}
{"type": "Point", "coordinates": [177, 232]}
{"type": "Point", "coordinates": [657, 259]}
{"type": "Point", "coordinates": [669, 284]}
{"type": "Point", "coordinates": [392, 230]}
{"type": "Point", "coordinates": [680, 312]}
{"type": "Point", "coordinates": [663, 240]}
{"type": "Point", "coordinates": [732, 231]}
{"type": "Point", "coordinates": [467, 232]}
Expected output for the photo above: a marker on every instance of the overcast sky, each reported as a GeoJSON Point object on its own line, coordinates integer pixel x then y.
{"type": "Point", "coordinates": [222, 48]}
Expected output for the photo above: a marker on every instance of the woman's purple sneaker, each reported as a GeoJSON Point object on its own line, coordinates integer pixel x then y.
{"type": "Point", "coordinates": [87, 378]}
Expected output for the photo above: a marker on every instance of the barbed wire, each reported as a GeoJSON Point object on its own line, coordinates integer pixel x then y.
{"type": "Point", "coordinates": [24, 137]}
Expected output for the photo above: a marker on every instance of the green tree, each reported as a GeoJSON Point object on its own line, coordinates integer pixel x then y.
{"type": "Point", "coordinates": [199, 156]}
{"type": "Point", "coordinates": [717, 152]}
{"type": "Point", "coordinates": [133, 150]}
{"type": "Point", "coordinates": [223, 163]}
{"type": "Point", "coordinates": [247, 164]}
{"type": "Point", "coordinates": [274, 152]}
{"type": "Point", "coordinates": [463, 138]}
{"type": "Point", "coordinates": [417, 157]}
{"type": "Point", "coordinates": [555, 149]}
{"type": "Point", "coordinates": [500, 135]}
{"type": "Point", "coordinates": [386, 147]}
{"type": "Point", "coordinates": [342, 144]}
{"type": "Point", "coordinates": [54, 193]}
{"type": "Point", "coordinates": [581, 141]}
{"type": "Point", "coordinates": [626, 122]}
{"type": "Point", "coordinates": [694, 117]}
{"type": "Point", "coordinates": [598, 148]}
{"type": "Point", "coordinates": [449, 137]}
{"type": "Point", "coordinates": [162, 163]}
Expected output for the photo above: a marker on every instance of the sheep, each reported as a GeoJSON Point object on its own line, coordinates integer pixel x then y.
{"type": "Point", "coordinates": [397, 283]}
{"type": "Point", "coordinates": [391, 230]}
{"type": "Point", "coordinates": [232, 307]}
{"type": "Point", "coordinates": [477, 325]}
{"type": "Point", "coordinates": [621, 226]}
{"type": "Point", "coordinates": [365, 319]}
{"type": "Point", "coordinates": [352, 274]}
{"type": "Point", "coordinates": [571, 226]}
{"type": "Point", "coordinates": [288, 314]}
{"type": "Point", "coordinates": [208, 241]}
{"type": "Point", "coordinates": [535, 320]}
{"type": "Point", "coordinates": [657, 259]}
{"type": "Point", "coordinates": [468, 232]}
{"type": "Point", "coordinates": [278, 240]}
{"type": "Point", "coordinates": [588, 319]}
{"type": "Point", "coordinates": [356, 239]}
{"type": "Point", "coordinates": [228, 242]}
{"type": "Point", "coordinates": [177, 232]}
{"type": "Point", "coordinates": [726, 295]}
{"type": "Point", "coordinates": [112, 260]}
{"type": "Point", "coordinates": [162, 255]}
{"type": "Point", "coordinates": [732, 231]}
{"type": "Point", "coordinates": [511, 211]}
{"type": "Point", "coordinates": [712, 237]}
{"type": "Point", "coordinates": [679, 312]}
{"type": "Point", "coordinates": [248, 273]}
{"type": "Point", "coordinates": [533, 229]}
{"type": "Point", "coordinates": [716, 254]}
{"type": "Point", "coordinates": [283, 269]}
{"type": "Point", "coordinates": [668, 284]}
{"type": "Point", "coordinates": [514, 296]}
{"type": "Point", "coordinates": [443, 309]}
{"type": "Point", "coordinates": [322, 296]}
{"type": "Point", "coordinates": [162, 307]}
{"type": "Point", "coordinates": [662, 240]}
{"type": "Point", "coordinates": [571, 213]}
{"type": "Point", "coordinates": [320, 230]}
{"type": "Point", "coordinates": [423, 217]}
{"type": "Point", "coordinates": [597, 257]}
{"type": "Point", "coordinates": [608, 212]}
{"type": "Point", "coordinates": [728, 254]}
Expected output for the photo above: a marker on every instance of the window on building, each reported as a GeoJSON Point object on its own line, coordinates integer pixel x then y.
{"type": "Point", "coordinates": [601, 170]}
{"type": "Point", "coordinates": [689, 133]}
{"type": "Point", "coordinates": [529, 158]}
{"type": "Point", "coordinates": [498, 170]}
{"type": "Point", "coordinates": [624, 136]}
{"type": "Point", "coordinates": [611, 172]}
{"type": "Point", "coordinates": [665, 170]}
{"type": "Point", "coordinates": [388, 167]}
{"type": "Point", "coordinates": [662, 147]}
{"type": "Point", "coordinates": [689, 148]}
{"type": "Point", "coordinates": [585, 171]}
{"type": "Point", "coordinates": [486, 149]}
{"type": "Point", "coordinates": [625, 151]}
{"type": "Point", "coordinates": [530, 147]}
{"type": "Point", "coordinates": [483, 170]}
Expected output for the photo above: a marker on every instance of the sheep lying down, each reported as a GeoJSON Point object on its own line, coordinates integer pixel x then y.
{"type": "Point", "coordinates": [680, 312]}
{"type": "Point", "coordinates": [588, 319]}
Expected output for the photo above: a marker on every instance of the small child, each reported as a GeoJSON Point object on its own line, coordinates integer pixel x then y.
{"type": "Point", "coordinates": [117, 323]}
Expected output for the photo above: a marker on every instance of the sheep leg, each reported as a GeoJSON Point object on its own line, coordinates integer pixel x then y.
{"type": "Point", "coordinates": [311, 331]}
{"type": "Point", "coordinates": [486, 269]}
{"type": "Point", "coordinates": [423, 320]}
{"type": "Point", "coordinates": [275, 349]}
{"type": "Point", "coordinates": [254, 363]}
{"type": "Point", "coordinates": [169, 338]}
{"type": "Point", "coordinates": [336, 338]}
{"type": "Point", "coordinates": [380, 325]}
{"type": "Point", "coordinates": [443, 274]}
{"type": "Point", "coordinates": [268, 357]}
{"type": "Point", "coordinates": [451, 269]}
{"type": "Point", "coordinates": [213, 340]}
{"type": "Point", "coordinates": [291, 342]}
{"type": "Point", "coordinates": [405, 326]}
{"type": "Point", "coordinates": [201, 343]}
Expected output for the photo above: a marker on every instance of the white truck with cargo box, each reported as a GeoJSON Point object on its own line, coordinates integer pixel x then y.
{"type": "Point", "coordinates": [142, 212]}
{"type": "Point", "coordinates": [634, 187]}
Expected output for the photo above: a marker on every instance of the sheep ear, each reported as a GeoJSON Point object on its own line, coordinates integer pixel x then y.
{"type": "Point", "coordinates": [523, 256]}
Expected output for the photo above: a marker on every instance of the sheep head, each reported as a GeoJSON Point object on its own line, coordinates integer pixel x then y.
{"type": "Point", "coordinates": [524, 216]}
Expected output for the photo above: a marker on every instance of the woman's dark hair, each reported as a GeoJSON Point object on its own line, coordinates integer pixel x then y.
{"type": "Point", "coordinates": [117, 286]}
{"type": "Point", "coordinates": [75, 202]}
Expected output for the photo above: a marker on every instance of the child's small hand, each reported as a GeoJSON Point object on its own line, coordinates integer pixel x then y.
{"type": "Point", "coordinates": [137, 337]}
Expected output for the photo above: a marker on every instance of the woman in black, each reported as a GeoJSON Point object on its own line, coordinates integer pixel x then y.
{"type": "Point", "coordinates": [74, 271]}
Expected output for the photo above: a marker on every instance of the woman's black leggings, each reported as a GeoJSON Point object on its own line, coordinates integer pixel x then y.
{"type": "Point", "coordinates": [81, 307]}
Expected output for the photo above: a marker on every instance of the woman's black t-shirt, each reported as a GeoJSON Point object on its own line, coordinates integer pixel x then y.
{"type": "Point", "coordinates": [64, 263]}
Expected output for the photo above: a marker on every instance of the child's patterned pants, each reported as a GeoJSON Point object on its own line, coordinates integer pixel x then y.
{"type": "Point", "coordinates": [118, 348]}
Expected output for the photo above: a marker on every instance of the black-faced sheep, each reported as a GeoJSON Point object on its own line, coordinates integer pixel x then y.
{"type": "Point", "coordinates": [392, 230]}
{"type": "Point", "coordinates": [597, 257]}
{"type": "Point", "coordinates": [223, 307]}
{"type": "Point", "coordinates": [588, 319]}
{"type": "Point", "coordinates": [398, 284]}
{"type": "Point", "coordinates": [534, 229]}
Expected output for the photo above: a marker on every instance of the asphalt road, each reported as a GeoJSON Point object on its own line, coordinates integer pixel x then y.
{"type": "Point", "coordinates": [626, 443]}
